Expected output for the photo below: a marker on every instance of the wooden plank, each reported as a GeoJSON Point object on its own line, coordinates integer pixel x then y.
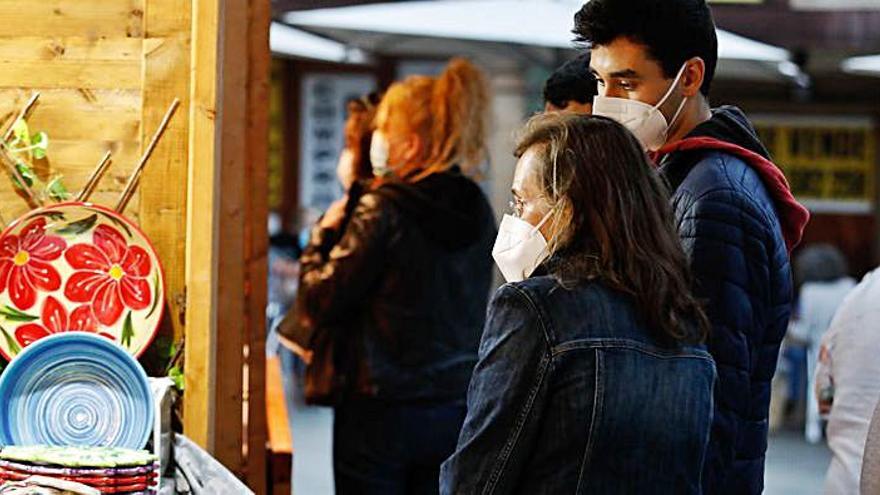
{"type": "Point", "coordinates": [256, 231]}
{"type": "Point", "coordinates": [163, 190]}
{"type": "Point", "coordinates": [79, 62]}
{"type": "Point", "coordinates": [225, 253]}
{"type": "Point", "coordinates": [202, 222]}
{"type": "Point", "coordinates": [278, 417]}
{"type": "Point", "coordinates": [231, 317]}
{"type": "Point", "coordinates": [59, 18]}
{"type": "Point", "coordinates": [77, 159]}
{"type": "Point", "coordinates": [101, 74]}
{"type": "Point", "coordinates": [109, 115]}
{"type": "Point", "coordinates": [54, 49]}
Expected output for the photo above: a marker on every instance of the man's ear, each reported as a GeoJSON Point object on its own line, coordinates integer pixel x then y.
{"type": "Point", "coordinates": [692, 78]}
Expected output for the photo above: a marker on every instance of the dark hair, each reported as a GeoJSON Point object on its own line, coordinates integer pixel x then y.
{"type": "Point", "coordinates": [613, 219]}
{"type": "Point", "coordinates": [672, 31]}
{"type": "Point", "coordinates": [572, 81]}
{"type": "Point", "coordinates": [359, 132]}
{"type": "Point", "coordinates": [820, 263]}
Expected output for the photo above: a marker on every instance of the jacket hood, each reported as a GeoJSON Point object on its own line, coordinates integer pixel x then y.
{"type": "Point", "coordinates": [448, 207]}
{"type": "Point", "coordinates": [731, 132]}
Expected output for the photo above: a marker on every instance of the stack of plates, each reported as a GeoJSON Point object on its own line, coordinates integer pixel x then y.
{"type": "Point", "coordinates": [76, 407]}
{"type": "Point", "coordinates": [75, 389]}
{"type": "Point", "coordinates": [108, 470]}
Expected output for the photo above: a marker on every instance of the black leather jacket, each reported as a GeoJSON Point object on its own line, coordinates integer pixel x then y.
{"type": "Point", "coordinates": [410, 276]}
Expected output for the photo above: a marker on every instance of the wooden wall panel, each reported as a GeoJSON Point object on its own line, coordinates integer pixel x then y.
{"type": "Point", "coordinates": [76, 62]}
{"type": "Point", "coordinates": [73, 114]}
{"type": "Point", "coordinates": [226, 231]}
{"type": "Point", "coordinates": [60, 18]}
{"type": "Point", "coordinates": [85, 59]}
{"type": "Point", "coordinates": [163, 191]}
{"type": "Point", "coordinates": [202, 222]}
{"type": "Point", "coordinates": [231, 318]}
{"type": "Point", "coordinates": [257, 245]}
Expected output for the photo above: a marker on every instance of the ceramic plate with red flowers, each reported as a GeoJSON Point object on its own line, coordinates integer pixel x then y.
{"type": "Point", "coordinates": [78, 267]}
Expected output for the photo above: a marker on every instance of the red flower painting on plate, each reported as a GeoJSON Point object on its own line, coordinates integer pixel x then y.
{"type": "Point", "coordinates": [109, 275]}
{"type": "Point", "coordinates": [26, 263]}
{"type": "Point", "coordinates": [55, 319]}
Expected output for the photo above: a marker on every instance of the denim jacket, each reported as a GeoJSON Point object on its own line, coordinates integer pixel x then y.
{"type": "Point", "coordinates": [572, 395]}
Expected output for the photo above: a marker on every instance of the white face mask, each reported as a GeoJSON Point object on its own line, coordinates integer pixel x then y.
{"type": "Point", "coordinates": [645, 121]}
{"type": "Point", "coordinates": [345, 168]}
{"type": "Point", "coordinates": [519, 248]}
{"type": "Point", "coordinates": [379, 150]}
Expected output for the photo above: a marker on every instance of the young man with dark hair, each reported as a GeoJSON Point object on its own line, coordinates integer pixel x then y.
{"type": "Point", "coordinates": [571, 87]}
{"type": "Point", "coordinates": [654, 61]}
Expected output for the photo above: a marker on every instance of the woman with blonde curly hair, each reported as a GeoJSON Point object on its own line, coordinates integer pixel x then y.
{"type": "Point", "coordinates": [405, 286]}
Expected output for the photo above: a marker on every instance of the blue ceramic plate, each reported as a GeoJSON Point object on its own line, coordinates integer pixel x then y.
{"type": "Point", "coordinates": [75, 389]}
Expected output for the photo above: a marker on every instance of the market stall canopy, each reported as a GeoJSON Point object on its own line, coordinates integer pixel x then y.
{"type": "Point", "coordinates": [868, 65]}
{"type": "Point", "coordinates": [535, 30]}
{"type": "Point", "coordinates": [291, 42]}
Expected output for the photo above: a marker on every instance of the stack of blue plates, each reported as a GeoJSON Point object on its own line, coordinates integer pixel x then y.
{"type": "Point", "coordinates": [75, 389]}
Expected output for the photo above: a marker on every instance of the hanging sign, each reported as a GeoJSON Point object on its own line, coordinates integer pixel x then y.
{"type": "Point", "coordinates": [830, 162]}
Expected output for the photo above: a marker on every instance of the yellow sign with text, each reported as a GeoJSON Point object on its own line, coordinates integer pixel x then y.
{"type": "Point", "coordinates": [825, 159]}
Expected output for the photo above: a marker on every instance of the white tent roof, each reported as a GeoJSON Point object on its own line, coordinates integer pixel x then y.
{"type": "Point", "coordinates": [867, 65]}
{"type": "Point", "coordinates": [541, 23]}
{"type": "Point", "coordinates": [287, 41]}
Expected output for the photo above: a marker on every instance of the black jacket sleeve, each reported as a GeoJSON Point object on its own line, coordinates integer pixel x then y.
{"type": "Point", "coordinates": [332, 284]}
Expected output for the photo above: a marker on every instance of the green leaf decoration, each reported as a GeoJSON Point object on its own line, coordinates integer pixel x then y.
{"type": "Point", "coordinates": [52, 215]}
{"type": "Point", "coordinates": [127, 331]}
{"type": "Point", "coordinates": [119, 223]}
{"type": "Point", "coordinates": [176, 375]}
{"type": "Point", "coordinates": [79, 227]}
{"type": "Point", "coordinates": [21, 132]}
{"type": "Point", "coordinates": [56, 190]}
{"type": "Point", "coordinates": [11, 344]}
{"type": "Point", "coordinates": [26, 173]}
{"type": "Point", "coordinates": [155, 294]}
{"type": "Point", "coordinates": [11, 314]}
{"type": "Point", "coordinates": [39, 145]}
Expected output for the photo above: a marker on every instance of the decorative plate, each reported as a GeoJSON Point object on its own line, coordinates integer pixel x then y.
{"type": "Point", "coordinates": [78, 267]}
{"type": "Point", "coordinates": [94, 481]}
{"type": "Point", "coordinates": [47, 470]}
{"type": "Point", "coordinates": [75, 389]}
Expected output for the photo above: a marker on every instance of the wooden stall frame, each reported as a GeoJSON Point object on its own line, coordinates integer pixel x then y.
{"type": "Point", "coordinates": [226, 230]}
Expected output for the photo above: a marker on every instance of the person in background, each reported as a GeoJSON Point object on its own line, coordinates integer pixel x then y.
{"type": "Point", "coordinates": [354, 162]}
{"type": "Point", "coordinates": [823, 271]}
{"type": "Point", "coordinates": [591, 375]}
{"type": "Point", "coordinates": [354, 172]}
{"type": "Point", "coordinates": [410, 273]}
{"type": "Point", "coordinates": [354, 169]}
{"type": "Point", "coordinates": [571, 87]}
{"type": "Point", "coordinates": [848, 383]}
{"type": "Point", "coordinates": [737, 219]}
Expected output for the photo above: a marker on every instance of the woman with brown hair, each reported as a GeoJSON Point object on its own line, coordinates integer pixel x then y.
{"type": "Point", "coordinates": [406, 286]}
{"type": "Point", "coordinates": [591, 376]}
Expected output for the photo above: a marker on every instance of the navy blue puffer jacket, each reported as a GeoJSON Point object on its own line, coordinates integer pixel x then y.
{"type": "Point", "coordinates": [737, 221]}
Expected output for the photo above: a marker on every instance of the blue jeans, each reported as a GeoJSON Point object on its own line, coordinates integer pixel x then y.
{"type": "Point", "coordinates": [393, 449]}
{"type": "Point", "coordinates": [796, 355]}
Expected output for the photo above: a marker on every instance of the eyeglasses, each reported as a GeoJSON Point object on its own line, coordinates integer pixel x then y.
{"type": "Point", "coordinates": [516, 207]}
